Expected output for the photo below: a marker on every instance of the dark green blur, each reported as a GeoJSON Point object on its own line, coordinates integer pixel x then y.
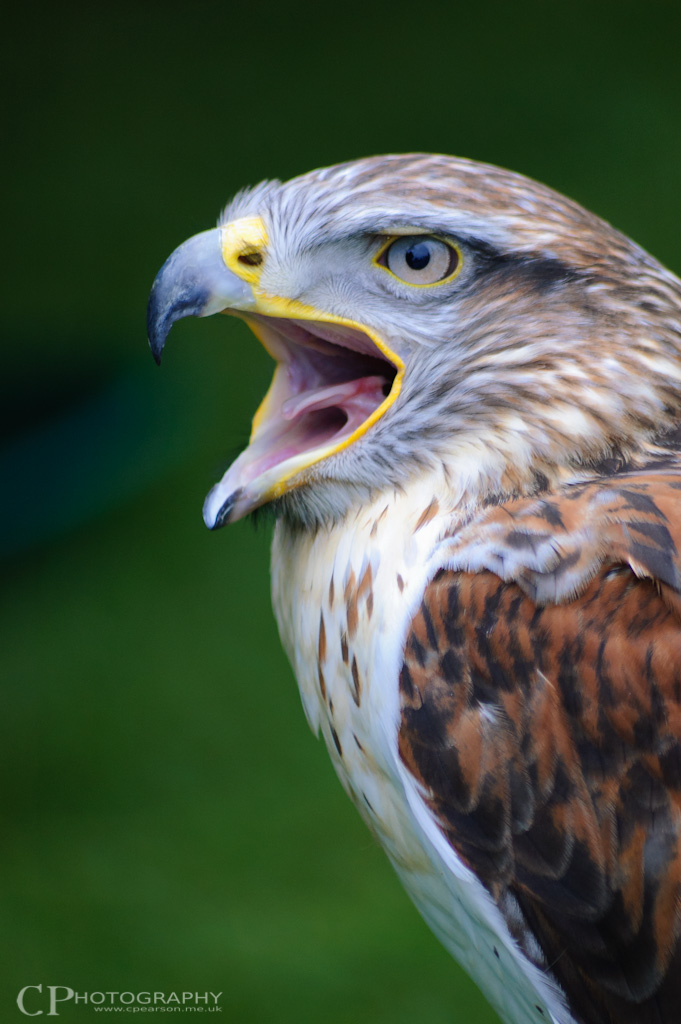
{"type": "Point", "coordinates": [168, 821]}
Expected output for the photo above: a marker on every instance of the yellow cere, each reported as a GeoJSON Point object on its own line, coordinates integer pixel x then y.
{"type": "Point", "coordinates": [243, 238]}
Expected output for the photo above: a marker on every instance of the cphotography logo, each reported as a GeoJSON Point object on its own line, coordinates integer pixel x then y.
{"type": "Point", "coordinates": [54, 996]}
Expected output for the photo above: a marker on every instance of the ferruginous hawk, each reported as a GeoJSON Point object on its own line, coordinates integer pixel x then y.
{"type": "Point", "coordinates": [471, 444]}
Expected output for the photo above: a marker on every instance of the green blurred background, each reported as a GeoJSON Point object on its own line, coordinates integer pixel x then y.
{"type": "Point", "coordinates": [168, 821]}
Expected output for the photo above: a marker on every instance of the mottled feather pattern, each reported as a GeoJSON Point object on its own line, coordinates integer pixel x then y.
{"type": "Point", "coordinates": [548, 736]}
{"type": "Point", "coordinates": [553, 544]}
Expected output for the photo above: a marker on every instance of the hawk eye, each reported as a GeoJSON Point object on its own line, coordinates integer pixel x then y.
{"type": "Point", "coordinates": [420, 259]}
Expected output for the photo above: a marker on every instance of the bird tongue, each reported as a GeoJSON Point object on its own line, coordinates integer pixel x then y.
{"type": "Point", "coordinates": [313, 417]}
{"type": "Point", "coordinates": [357, 398]}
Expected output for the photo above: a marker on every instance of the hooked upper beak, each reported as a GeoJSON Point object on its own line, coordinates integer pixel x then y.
{"type": "Point", "coordinates": [194, 281]}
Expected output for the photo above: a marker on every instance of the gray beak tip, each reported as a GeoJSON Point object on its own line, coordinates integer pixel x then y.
{"type": "Point", "coordinates": [170, 300]}
{"type": "Point", "coordinates": [157, 339]}
{"type": "Point", "coordinates": [216, 514]}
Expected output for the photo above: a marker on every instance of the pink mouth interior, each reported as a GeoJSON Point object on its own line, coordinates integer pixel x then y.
{"type": "Point", "coordinates": [329, 381]}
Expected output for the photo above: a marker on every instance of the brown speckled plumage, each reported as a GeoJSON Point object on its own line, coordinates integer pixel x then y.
{"type": "Point", "coordinates": [548, 735]}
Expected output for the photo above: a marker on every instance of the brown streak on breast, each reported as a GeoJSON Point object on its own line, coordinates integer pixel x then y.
{"type": "Point", "coordinates": [336, 741]}
{"type": "Point", "coordinates": [357, 684]}
{"type": "Point", "coordinates": [427, 514]}
{"type": "Point", "coordinates": [344, 647]}
{"type": "Point", "coordinates": [364, 590]}
{"type": "Point", "coordinates": [350, 585]}
{"type": "Point", "coordinates": [353, 615]}
{"type": "Point", "coordinates": [322, 682]}
{"type": "Point", "coordinates": [321, 649]}
{"type": "Point", "coordinates": [321, 655]}
{"type": "Point", "coordinates": [350, 597]}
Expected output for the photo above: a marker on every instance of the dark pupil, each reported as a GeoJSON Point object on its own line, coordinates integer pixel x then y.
{"type": "Point", "coordinates": [418, 256]}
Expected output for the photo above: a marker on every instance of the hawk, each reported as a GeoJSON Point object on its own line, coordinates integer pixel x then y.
{"type": "Point", "coordinates": [471, 447]}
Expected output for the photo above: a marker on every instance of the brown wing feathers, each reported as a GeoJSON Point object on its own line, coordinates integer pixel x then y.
{"type": "Point", "coordinates": [549, 738]}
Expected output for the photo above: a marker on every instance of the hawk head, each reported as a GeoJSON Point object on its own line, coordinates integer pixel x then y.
{"type": "Point", "coordinates": [429, 315]}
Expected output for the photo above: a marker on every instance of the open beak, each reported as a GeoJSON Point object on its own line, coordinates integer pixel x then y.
{"type": "Point", "coordinates": [333, 380]}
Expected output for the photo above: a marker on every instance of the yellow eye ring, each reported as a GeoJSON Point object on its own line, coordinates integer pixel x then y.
{"type": "Point", "coordinates": [421, 261]}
